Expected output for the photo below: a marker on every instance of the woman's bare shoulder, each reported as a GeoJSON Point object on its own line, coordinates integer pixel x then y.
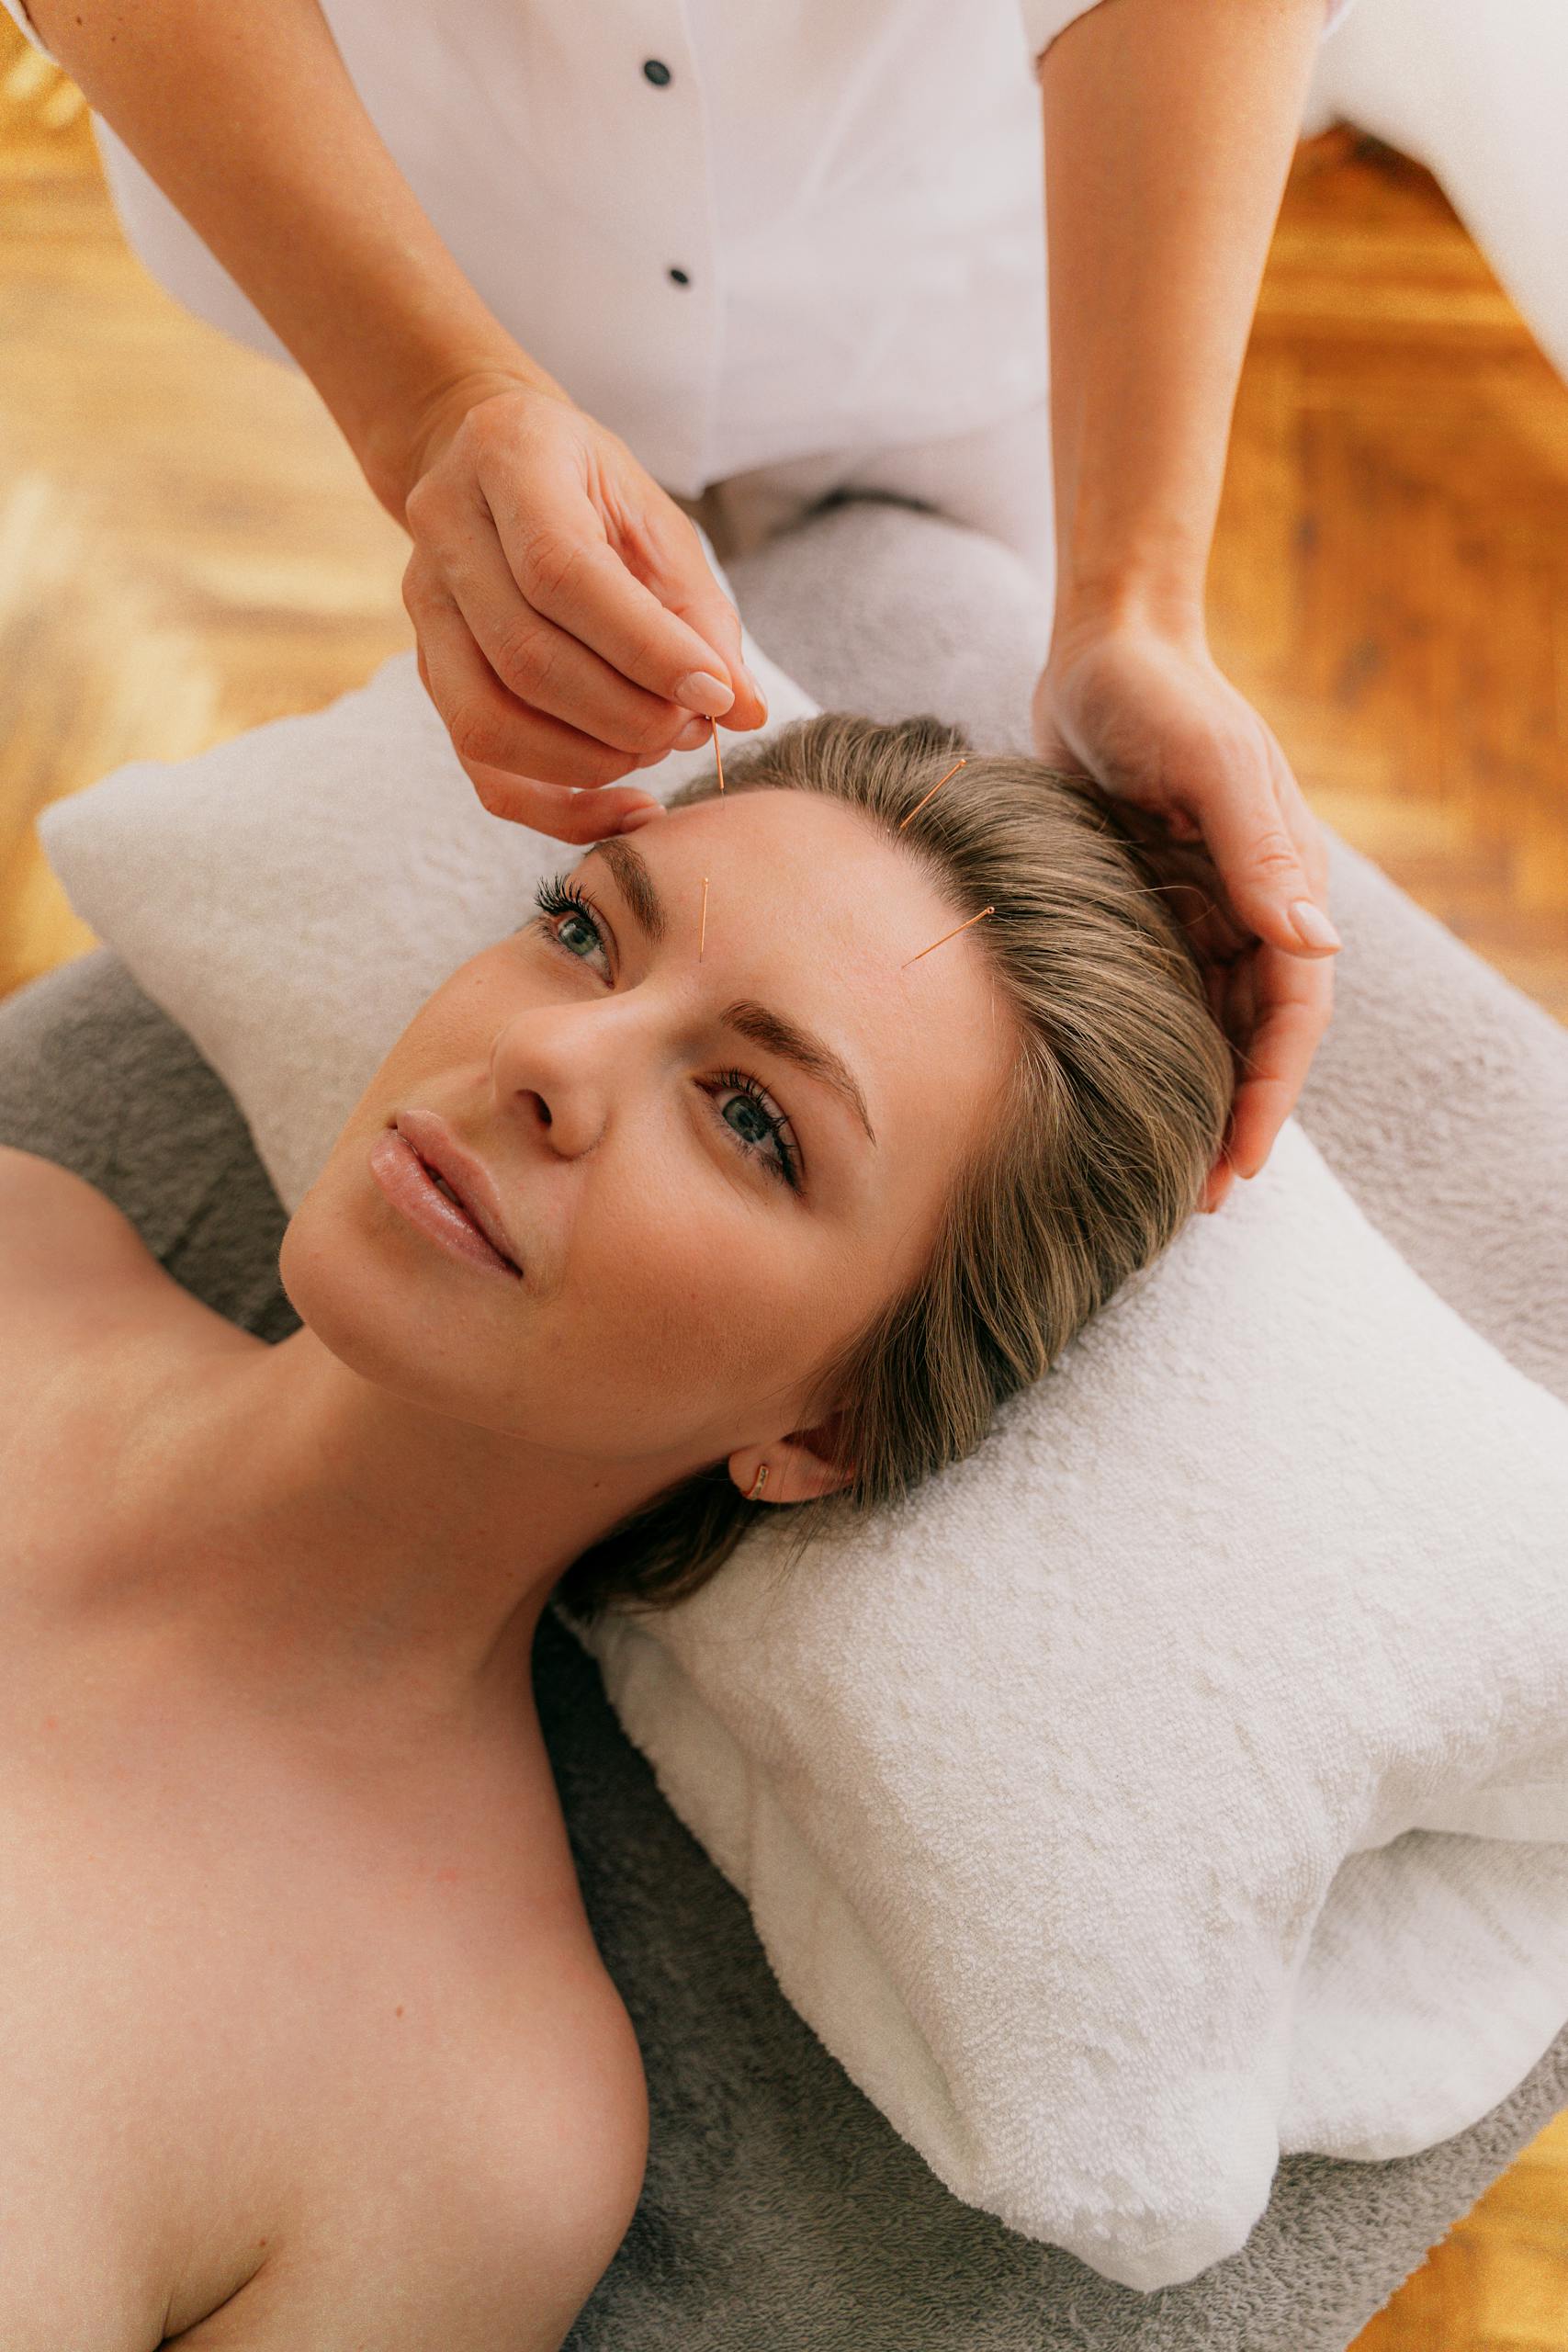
{"type": "Point", "coordinates": [78, 1282]}
{"type": "Point", "coordinates": [484, 2160]}
{"type": "Point", "coordinates": [58, 1235]}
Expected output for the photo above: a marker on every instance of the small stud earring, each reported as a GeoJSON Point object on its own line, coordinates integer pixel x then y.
{"type": "Point", "coordinates": [757, 1484]}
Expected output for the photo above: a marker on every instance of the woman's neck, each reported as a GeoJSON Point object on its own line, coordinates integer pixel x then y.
{"type": "Point", "coordinates": [354, 1551]}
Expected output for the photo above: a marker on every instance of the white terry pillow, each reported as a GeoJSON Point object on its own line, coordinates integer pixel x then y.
{"type": "Point", "coordinates": [1154, 1793]}
{"type": "Point", "coordinates": [1084, 1802]}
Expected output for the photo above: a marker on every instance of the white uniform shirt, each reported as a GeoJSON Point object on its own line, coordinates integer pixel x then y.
{"type": "Point", "coordinates": [737, 233]}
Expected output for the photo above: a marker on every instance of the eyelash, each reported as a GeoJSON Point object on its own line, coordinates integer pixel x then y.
{"type": "Point", "coordinates": [560, 896]}
{"type": "Point", "coordinates": [783, 1162]}
{"type": "Point", "coordinates": [555, 898]}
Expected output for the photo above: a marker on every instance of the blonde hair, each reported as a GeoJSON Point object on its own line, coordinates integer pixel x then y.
{"type": "Point", "coordinates": [1113, 1113]}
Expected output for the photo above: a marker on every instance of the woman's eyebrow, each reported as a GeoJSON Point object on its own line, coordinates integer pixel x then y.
{"type": "Point", "coordinates": [802, 1046]}
{"type": "Point", "coordinates": [630, 869]}
{"type": "Point", "coordinates": [749, 1019]}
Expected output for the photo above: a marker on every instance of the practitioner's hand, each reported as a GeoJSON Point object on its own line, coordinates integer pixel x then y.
{"type": "Point", "coordinates": [1148, 714]}
{"type": "Point", "coordinates": [570, 628]}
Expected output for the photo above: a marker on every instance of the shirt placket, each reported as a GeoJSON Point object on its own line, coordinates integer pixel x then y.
{"type": "Point", "coordinates": [666, 221]}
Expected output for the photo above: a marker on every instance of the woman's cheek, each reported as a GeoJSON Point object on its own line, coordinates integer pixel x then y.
{"type": "Point", "coordinates": [724, 1317]}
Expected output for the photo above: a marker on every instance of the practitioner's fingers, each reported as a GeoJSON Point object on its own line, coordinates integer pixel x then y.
{"type": "Point", "coordinates": [533, 528]}
{"type": "Point", "coordinates": [1230, 988]}
{"type": "Point", "coordinates": [542, 671]}
{"type": "Point", "coordinates": [556, 809]}
{"type": "Point", "coordinates": [583, 532]}
{"type": "Point", "coordinates": [1292, 999]}
{"type": "Point", "coordinates": [1273, 1006]}
{"type": "Point", "coordinates": [481, 718]}
{"type": "Point", "coordinates": [1254, 845]}
{"type": "Point", "coordinates": [678, 572]}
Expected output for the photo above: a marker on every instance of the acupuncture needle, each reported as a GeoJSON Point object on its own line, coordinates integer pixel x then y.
{"type": "Point", "coordinates": [718, 758]}
{"type": "Point", "coordinates": [946, 936]}
{"type": "Point", "coordinates": [931, 795]}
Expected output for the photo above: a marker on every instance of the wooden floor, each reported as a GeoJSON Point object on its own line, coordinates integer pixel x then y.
{"type": "Point", "coordinates": [186, 549]}
{"type": "Point", "coordinates": [1391, 579]}
{"type": "Point", "coordinates": [186, 546]}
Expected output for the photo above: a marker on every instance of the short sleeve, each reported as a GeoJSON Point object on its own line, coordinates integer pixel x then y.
{"type": "Point", "coordinates": [1043, 19]}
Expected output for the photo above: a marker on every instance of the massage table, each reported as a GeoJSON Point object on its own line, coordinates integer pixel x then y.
{"type": "Point", "coordinates": [780, 2210]}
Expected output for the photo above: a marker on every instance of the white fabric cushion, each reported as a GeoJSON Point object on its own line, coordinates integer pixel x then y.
{"type": "Point", "coordinates": [1080, 1804]}
{"type": "Point", "coordinates": [1071, 1799]}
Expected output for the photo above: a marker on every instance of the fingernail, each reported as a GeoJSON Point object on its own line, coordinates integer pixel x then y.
{"type": "Point", "coordinates": [1314, 925]}
{"type": "Point", "coordinates": [751, 681]}
{"type": "Point", "coordinates": [700, 691]}
{"type": "Point", "coordinates": [642, 816]}
{"type": "Point", "coordinates": [695, 731]}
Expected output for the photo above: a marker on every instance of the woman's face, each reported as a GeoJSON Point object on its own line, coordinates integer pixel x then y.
{"type": "Point", "coordinates": [699, 1214]}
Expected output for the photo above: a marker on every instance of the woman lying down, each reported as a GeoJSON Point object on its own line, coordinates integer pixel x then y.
{"type": "Point", "coordinates": [662, 1213]}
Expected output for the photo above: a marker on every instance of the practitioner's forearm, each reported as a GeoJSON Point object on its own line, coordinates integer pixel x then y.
{"type": "Point", "coordinates": [248, 121]}
{"type": "Point", "coordinates": [1169, 126]}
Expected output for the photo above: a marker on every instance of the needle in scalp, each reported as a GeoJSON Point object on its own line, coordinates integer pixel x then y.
{"type": "Point", "coordinates": [945, 936]}
{"type": "Point", "coordinates": [932, 794]}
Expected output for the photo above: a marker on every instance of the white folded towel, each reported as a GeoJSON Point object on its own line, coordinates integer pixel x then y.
{"type": "Point", "coordinates": [1074, 1800]}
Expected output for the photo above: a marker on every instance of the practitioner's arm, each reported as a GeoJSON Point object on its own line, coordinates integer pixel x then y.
{"type": "Point", "coordinates": [1169, 126]}
{"type": "Point", "coordinates": [559, 597]}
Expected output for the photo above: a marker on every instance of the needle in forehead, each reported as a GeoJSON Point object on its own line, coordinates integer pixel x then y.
{"type": "Point", "coordinates": [719, 757]}
{"type": "Point", "coordinates": [946, 936]}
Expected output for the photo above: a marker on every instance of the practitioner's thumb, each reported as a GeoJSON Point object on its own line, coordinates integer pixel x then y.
{"type": "Point", "coordinates": [1263, 874]}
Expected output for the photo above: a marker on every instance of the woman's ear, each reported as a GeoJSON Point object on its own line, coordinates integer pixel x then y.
{"type": "Point", "coordinates": [800, 1468]}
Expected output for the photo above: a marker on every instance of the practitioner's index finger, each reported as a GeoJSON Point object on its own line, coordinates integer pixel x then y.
{"type": "Point", "coordinates": [585, 588]}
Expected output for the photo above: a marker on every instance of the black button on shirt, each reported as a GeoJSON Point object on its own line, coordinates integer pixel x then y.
{"type": "Point", "coordinates": [658, 73]}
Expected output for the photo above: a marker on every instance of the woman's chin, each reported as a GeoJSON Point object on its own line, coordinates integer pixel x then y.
{"type": "Point", "coordinates": [391, 1305]}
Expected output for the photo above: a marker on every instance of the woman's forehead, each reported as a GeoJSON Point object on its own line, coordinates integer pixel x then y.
{"type": "Point", "coordinates": [809, 899]}
{"type": "Point", "coordinates": [810, 865]}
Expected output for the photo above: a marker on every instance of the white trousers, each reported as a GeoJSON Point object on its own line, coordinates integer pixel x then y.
{"type": "Point", "coordinates": [995, 479]}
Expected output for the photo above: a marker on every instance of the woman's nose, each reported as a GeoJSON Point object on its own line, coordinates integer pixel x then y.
{"type": "Point", "coordinates": [554, 1084]}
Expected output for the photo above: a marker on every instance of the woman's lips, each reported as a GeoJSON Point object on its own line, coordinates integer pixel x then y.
{"type": "Point", "coordinates": [467, 1180]}
{"type": "Point", "coordinates": [412, 1188]}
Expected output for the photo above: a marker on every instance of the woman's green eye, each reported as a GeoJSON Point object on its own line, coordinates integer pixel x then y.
{"type": "Point", "coordinates": [748, 1118]}
{"type": "Point", "coordinates": [765, 1133]}
{"type": "Point", "coordinates": [560, 907]}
